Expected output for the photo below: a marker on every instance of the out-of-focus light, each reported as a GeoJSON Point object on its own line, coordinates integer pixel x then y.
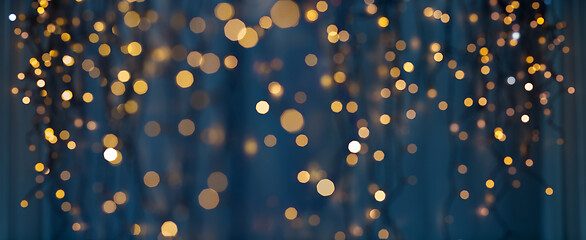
{"type": "Point", "coordinates": [12, 17]}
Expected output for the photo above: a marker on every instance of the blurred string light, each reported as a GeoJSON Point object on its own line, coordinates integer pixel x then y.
{"type": "Point", "coordinates": [108, 61]}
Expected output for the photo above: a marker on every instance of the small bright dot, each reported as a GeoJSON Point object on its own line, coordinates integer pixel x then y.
{"type": "Point", "coordinates": [110, 154]}
{"type": "Point", "coordinates": [262, 107]}
{"type": "Point", "coordinates": [489, 183]}
{"type": "Point", "coordinates": [291, 213]}
{"type": "Point", "coordinates": [549, 191]}
{"type": "Point", "coordinates": [525, 118]}
{"type": "Point", "coordinates": [24, 203]}
{"type": "Point", "coordinates": [516, 35]}
{"type": "Point", "coordinates": [303, 177]}
{"type": "Point", "coordinates": [528, 87]}
{"type": "Point", "coordinates": [380, 195]}
{"type": "Point", "coordinates": [12, 17]}
{"type": "Point", "coordinates": [508, 160]}
{"type": "Point", "coordinates": [511, 80]}
{"type": "Point", "coordinates": [464, 194]}
{"type": "Point", "coordinates": [354, 146]}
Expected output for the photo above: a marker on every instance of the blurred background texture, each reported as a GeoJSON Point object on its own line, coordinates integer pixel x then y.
{"type": "Point", "coordinates": [266, 119]}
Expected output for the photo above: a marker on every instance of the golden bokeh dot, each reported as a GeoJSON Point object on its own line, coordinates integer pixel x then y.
{"type": "Point", "coordinates": [270, 140]}
{"type": "Point", "coordinates": [303, 176]}
{"type": "Point", "coordinates": [300, 97]}
{"type": "Point", "coordinates": [442, 105]}
{"type": "Point", "coordinates": [197, 25]}
{"type": "Point", "coordinates": [210, 63]}
{"type": "Point", "coordinates": [224, 11]}
{"type": "Point", "coordinates": [104, 50]}
{"type": "Point", "coordinates": [380, 195]}
{"type": "Point", "coordinates": [120, 198]}
{"type": "Point", "coordinates": [152, 128]}
{"type": "Point", "coordinates": [378, 155]}
{"type": "Point", "coordinates": [385, 119]}
{"type": "Point", "coordinates": [65, 175]}
{"type": "Point", "coordinates": [250, 147]}
{"type": "Point", "coordinates": [352, 159]}
{"type": "Point", "coordinates": [230, 62]}
{"type": "Point", "coordinates": [438, 57]}
{"type": "Point", "coordinates": [325, 187]}
{"type": "Point", "coordinates": [109, 206]}
{"type": "Point", "coordinates": [400, 84]}
{"type": "Point", "coordinates": [459, 74]}
{"type": "Point", "coordinates": [321, 6]}
{"type": "Point", "coordinates": [301, 140]}
{"type": "Point", "coordinates": [351, 107]}
{"type": "Point", "coordinates": [87, 97]}
{"type": "Point", "coordinates": [184, 79]}
{"type": "Point", "coordinates": [151, 179]}
{"type": "Point", "coordinates": [311, 15]}
{"type": "Point", "coordinates": [135, 229]}
{"type": "Point", "coordinates": [123, 76]}
{"type": "Point", "coordinates": [462, 169]}
{"type": "Point", "coordinates": [408, 67]}
{"type": "Point", "coordinates": [76, 227]}
{"type": "Point", "coordinates": [339, 235]}
{"type": "Point", "coordinates": [262, 107]}
{"type": "Point", "coordinates": [468, 102]}
{"type": "Point", "coordinates": [291, 213]}
{"type": "Point", "coordinates": [249, 39]}
{"type": "Point", "coordinates": [292, 121]}
{"type": "Point", "coordinates": [194, 59]}
{"type": "Point", "coordinates": [385, 93]}
{"type": "Point", "coordinates": [412, 148]}
{"type": "Point", "coordinates": [218, 181]}
{"type": "Point", "coordinates": [235, 29]}
{"type": "Point", "coordinates": [265, 22]}
{"type": "Point", "coordinates": [118, 88]}
{"type": "Point", "coordinates": [131, 19]}
{"type": "Point", "coordinates": [336, 106]}
{"type": "Point", "coordinates": [60, 194]}
{"type": "Point", "coordinates": [363, 132]}
{"type": "Point", "coordinates": [383, 234]}
{"type": "Point", "coordinates": [285, 13]}
{"type": "Point", "coordinates": [464, 194]}
{"type": "Point", "coordinates": [186, 127]}
{"type": "Point", "coordinates": [276, 89]}
{"type": "Point", "coordinates": [169, 229]}
{"type": "Point", "coordinates": [208, 199]}
{"type": "Point", "coordinates": [110, 140]}
{"type": "Point", "coordinates": [313, 220]}
{"type": "Point", "coordinates": [383, 22]}
{"type": "Point", "coordinates": [134, 48]}
{"type": "Point", "coordinates": [140, 87]}
{"type": "Point", "coordinates": [411, 114]}
{"type": "Point", "coordinates": [489, 183]}
{"type": "Point", "coordinates": [311, 60]}
{"type": "Point", "coordinates": [24, 203]}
